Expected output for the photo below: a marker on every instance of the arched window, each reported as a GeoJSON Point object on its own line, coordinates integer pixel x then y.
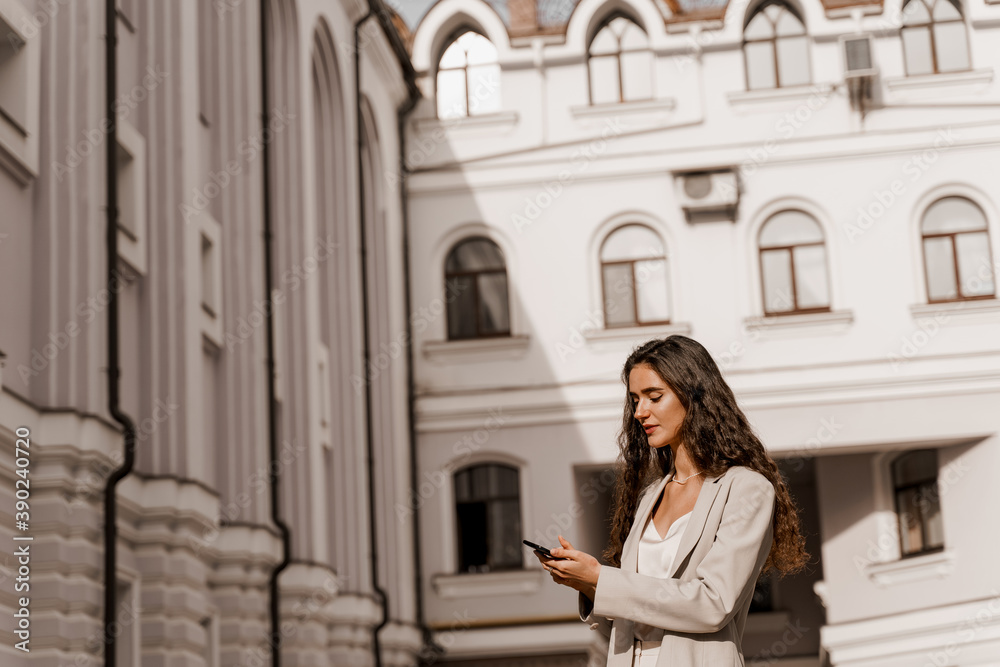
{"type": "Point", "coordinates": [488, 513]}
{"type": "Point", "coordinates": [476, 282]}
{"type": "Point", "coordinates": [468, 77]}
{"type": "Point", "coordinates": [793, 264]}
{"type": "Point", "coordinates": [634, 278]}
{"type": "Point", "coordinates": [957, 258]}
{"type": "Point", "coordinates": [775, 47]}
{"type": "Point", "coordinates": [918, 506]}
{"type": "Point", "coordinates": [934, 37]}
{"type": "Point", "coordinates": [620, 63]}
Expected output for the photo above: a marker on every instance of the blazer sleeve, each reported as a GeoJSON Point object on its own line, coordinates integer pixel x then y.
{"type": "Point", "coordinates": [597, 622]}
{"type": "Point", "coordinates": [707, 602]}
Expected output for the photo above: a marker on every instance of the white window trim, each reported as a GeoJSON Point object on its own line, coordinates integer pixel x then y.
{"type": "Point", "coordinates": [889, 567]}
{"type": "Point", "coordinates": [985, 203]}
{"type": "Point", "coordinates": [942, 80]}
{"type": "Point", "coordinates": [601, 234]}
{"type": "Point", "coordinates": [838, 319]}
{"type": "Point", "coordinates": [437, 345]}
{"type": "Point", "coordinates": [449, 522]}
{"type": "Point", "coordinates": [19, 150]}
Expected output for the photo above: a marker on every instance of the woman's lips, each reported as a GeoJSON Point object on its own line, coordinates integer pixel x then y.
{"type": "Point", "coordinates": [649, 429]}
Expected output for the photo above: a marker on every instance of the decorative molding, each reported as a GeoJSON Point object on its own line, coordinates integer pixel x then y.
{"type": "Point", "coordinates": [486, 584]}
{"type": "Point", "coordinates": [833, 321]}
{"type": "Point", "coordinates": [908, 570]}
{"type": "Point", "coordinates": [477, 349]}
{"type": "Point", "coordinates": [978, 309]}
{"type": "Point", "coordinates": [927, 81]}
{"type": "Point", "coordinates": [623, 108]}
{"type": "Point", "coordinates": [487, 121]}
{"type": "Point", "coordinates": [637, 332]}
{"type": "Point", "coordinates": [792, 93]}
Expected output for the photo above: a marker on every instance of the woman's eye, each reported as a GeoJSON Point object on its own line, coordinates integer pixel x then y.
{"type": "Point", "coordinates": [657, 398]}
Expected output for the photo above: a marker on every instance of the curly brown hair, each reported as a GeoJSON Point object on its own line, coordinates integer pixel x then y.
{"type": "Point", "coordinates": [717, 436]}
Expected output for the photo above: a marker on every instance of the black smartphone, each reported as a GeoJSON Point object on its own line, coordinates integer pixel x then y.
{"type": "Point", "coordinates": [544, 550]}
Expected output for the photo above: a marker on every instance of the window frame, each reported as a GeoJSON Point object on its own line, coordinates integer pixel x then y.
{"type": "Point", "coordinates": [618, 60]}
{"type": "Point", "coordinates": [460, 565]}
{"type": "Point", "coordinates": [790, 250]}
{"type": "Point", "coordinates": [896, 488]}
{"type": "Point", "coordinates": [930, 29]}
{"type": "Point", "coordinates": [455, 35]}
{"type": "Point", "coordinates": [954, 251]}
{"type": "Point", "coordinates": [635, 292]}
{"type": "Point", "coordinates": [774, 45]}
{"type": "Point", "coordinates": [449, 275]}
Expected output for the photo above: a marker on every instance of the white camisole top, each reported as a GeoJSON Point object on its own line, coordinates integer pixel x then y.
{"type": "Point", "coordinates": [656, 555]}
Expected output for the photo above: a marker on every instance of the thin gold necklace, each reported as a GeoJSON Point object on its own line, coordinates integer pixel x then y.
{"type": "Point", "coordinates": [683, 481]}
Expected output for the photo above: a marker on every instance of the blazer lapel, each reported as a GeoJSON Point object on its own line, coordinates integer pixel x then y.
{"type": "Point", "coordinates": [692, 531]}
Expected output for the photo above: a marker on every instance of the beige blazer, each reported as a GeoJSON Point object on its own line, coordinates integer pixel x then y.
{"type": "Point", "coordinates": [702, 607]}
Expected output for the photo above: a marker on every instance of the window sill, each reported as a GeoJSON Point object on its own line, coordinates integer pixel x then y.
{"type": "Point", "coordinates": [985, 309]}
{"type": "Point", "coordinates": [608, 110]}
{"type": "Point", "coordinates": [794, 93]}
{"type": "Point", "coordinates": [827, 322]}
{"type": "Point", "coordinates": [488, 584]}
{"type": "Point", "coordinates": [907, 570]}
{"type": "Point", "coordinates": [639, 331]}
{"type": "Point", "coordinates": [490, 121]}
{"type": "Point", "coordinates": [924, 81]}
{"type": "Point", "coordinates": [476, 349]}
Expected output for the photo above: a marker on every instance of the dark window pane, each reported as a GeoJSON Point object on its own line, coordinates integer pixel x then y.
{"type": "Point", "coordinates": [910, 530]}
{"type": "Point", "coordinates": [493, 314]}
{"type": "Point", "coordinates": [507, 486]}
{"type": "Point", "coordinates": [915, 467]}
{"type": "Point", "coordinates": [505, 529]}
{"type": "Point", "coordinates": [463, 483]}
{"type": "Point", "coordinates": [475, 255]}
{"type": "Point", "coordinates": [472, 536]}
{"type": "Point", "coordinates": [461, 310]}
{"type": "Point", "coordinates": [930, 509]}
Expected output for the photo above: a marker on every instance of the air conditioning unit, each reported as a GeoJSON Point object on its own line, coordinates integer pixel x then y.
{"type": "Point", "coordinates": [708, 196]}
{"type": "Point", "coordinates": [859, 59]}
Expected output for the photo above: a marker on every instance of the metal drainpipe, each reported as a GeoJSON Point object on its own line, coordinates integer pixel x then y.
{"type": "Point", "coordinates": [272, 406]}
{"type": "Point", "coordinates": [110, 506]}
{"type": "Point", "coordinates": [369, 439]}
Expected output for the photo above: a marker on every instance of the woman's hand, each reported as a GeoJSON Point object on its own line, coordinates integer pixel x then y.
{"type": "Point", "coordinates": [580, 571]}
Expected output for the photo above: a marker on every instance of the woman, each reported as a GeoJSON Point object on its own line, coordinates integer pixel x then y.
{"type": "Point", "coordinates": [700, 510]}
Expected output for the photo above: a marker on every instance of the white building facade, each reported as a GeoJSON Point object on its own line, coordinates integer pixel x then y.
{"type": "Point", "coordinates": [827, 226]}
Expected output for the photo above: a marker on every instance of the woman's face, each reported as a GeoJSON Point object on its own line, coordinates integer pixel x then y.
{"type": "Point", "coordinates": [655, 406]}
